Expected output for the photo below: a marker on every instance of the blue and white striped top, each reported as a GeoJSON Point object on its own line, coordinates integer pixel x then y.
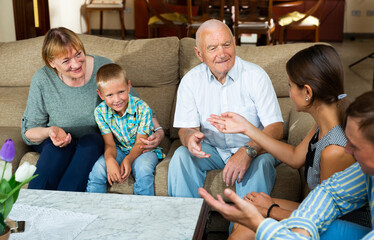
{"type": "Point", "coordinates": [340, 194]}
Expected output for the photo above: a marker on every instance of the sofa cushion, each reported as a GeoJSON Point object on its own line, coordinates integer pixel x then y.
{"type": "Point", "coordinates": [161, 104]}
{"type": "Point", "coordinates": [145, 64]}
{"type": "Point", "coordinates": [19, 61]}
{"type": "Point", "coordinates": [285, 105]}
{"type": "Point", "coordinates": [12, 104]}
{"type": "Point", "coordinates": [161, 175]}
{"type": "Point", "coordinates": [299, 126]}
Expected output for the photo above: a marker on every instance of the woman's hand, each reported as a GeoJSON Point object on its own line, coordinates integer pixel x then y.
{"type": "Point", "coordinates": [261, 201]}
{"type": "Point", "coordinates": [59, 137]}
{"type": "Point", "coordinates": [229, 122]}
{"type": "Point", "coordinates": [242, 212]}
{"type": "Point", "coordinates": [152, 141]}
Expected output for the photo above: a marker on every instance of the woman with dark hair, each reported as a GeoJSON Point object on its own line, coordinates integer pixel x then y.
{"type": "Point", "coordinates": [316, 87]}
{"type": "Point", "coordinates": [59, 118]}
{"type": "Point", "coordinates": [319, 215]}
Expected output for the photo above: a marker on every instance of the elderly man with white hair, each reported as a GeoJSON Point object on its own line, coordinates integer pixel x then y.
{"type": "Point", "coordinates": [223, 82]}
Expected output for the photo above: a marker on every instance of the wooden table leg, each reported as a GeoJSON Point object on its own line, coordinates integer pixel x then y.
{"type": "Point", "coordinates": [201, 222]}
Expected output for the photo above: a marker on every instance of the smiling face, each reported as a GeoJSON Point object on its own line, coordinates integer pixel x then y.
{"type": "Point", "coordinates": [72, 64]}
{"type": "Point", "coordinates": [216, 48]}
{"type": "Point", "coordinates": [358, 146]}
{"type": "Point", "coordinates": [116, 95]}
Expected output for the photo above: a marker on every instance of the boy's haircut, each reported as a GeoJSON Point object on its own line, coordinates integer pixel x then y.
{"type": "Point", "coordinates": [108, 73]}
{"type": "Point", "coordinates": [363, 109]}
{"type": "Point", "coordinates": [57, 42]}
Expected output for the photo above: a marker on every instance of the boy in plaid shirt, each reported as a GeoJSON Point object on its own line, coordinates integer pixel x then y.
{"type": "Point", "coordinates": [123, 120]}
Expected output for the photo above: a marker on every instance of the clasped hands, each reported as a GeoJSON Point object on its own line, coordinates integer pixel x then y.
{"type": "Point", "coordinates": [117, 173]}
{"type": "Point", "coordinates": [59, 137]}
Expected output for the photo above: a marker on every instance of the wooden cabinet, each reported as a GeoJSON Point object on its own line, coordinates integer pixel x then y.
{"type": "Point", "coordinates": [330, 13]}
{"type": "Point", "coordinates": [141, 17]}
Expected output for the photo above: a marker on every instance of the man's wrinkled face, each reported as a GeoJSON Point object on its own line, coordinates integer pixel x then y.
{"type": "Point", "coordinates": [217, 50]}
{"type": "Point", "coordinates": [359, 147]}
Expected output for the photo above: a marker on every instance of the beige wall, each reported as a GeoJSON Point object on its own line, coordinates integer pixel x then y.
{"type": "Point", "coordinates": [7, 28]}
{"type": "Point", "coordinates": [362, 23]}
{"type": "Point", "coordinates": [71, 14]}
{"type": "Point", "coordinates": [67, 13]}
{"type": "Point", "coordinates": [111, 19]}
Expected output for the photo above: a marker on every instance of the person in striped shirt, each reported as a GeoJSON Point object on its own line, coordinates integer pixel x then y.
{"type": "Point", "coordinates": [342, 193]}
{"type": "Point", "coordinates": [123, 120]}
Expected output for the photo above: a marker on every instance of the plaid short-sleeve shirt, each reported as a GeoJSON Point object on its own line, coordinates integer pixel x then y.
{"type": "Point", "coordinates": [136, 120]}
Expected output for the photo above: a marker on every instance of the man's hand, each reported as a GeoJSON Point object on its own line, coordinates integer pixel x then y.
{"type": "Point", "coordinates": [236, 167]}
{"type": "Point", "coordinates": [194, 145]}
{"type": "Point", "coordinates": [125, 169]}
{"type": "Point", "coordinates": [242, 212]}
{"type": "Point", "coordinates": [152, 141]}
{"type": "Point", "coordinates": [59, 137]}
{"type": "Point", "coordinates": [113, 171]}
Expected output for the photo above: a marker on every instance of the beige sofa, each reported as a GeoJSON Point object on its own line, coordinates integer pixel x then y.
{"type": "Point", "coordinates": [155, 67]}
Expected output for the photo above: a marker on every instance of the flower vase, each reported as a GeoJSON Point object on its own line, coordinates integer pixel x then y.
{"type": "Point", "coordinates": [5, 234]}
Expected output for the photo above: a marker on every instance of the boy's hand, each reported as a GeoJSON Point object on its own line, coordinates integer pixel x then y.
{"type": "Point", "coordinates": [125, 169]}
{"type": "Point", "coordinates": [113, 171]}
{"type": "Point", "coordinates": [59, 137]}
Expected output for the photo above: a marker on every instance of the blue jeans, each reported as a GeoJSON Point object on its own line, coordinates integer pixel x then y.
{"type": "Point", "coordinates": [67, 168]}
{"type": "Point", "coordinates": [340, 229]}
{"type": "Point", "coordinates": [143, 169]}
{"type": "Point", "coordinates": [187, 173]}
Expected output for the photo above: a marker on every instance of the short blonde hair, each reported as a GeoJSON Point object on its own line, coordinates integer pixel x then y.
{"type": "Point", "coordinates": [108, 73]}
{"type": "Point", "coordinates": [57, 42]}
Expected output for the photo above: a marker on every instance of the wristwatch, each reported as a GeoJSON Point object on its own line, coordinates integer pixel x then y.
{"type": "Point", "coordinates": [251, 152]}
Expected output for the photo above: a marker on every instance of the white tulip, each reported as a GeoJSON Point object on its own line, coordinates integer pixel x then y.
{"type": "Point", "coordinates": [8, 170]}
{"type": "Point", "coordinates": [25, 171]}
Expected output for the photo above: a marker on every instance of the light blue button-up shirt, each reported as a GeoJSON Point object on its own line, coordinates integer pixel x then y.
{"type": "Point", "coordinates": [247, 91]}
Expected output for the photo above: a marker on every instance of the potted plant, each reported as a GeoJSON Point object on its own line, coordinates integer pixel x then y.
{"type": "Point", "coordinates": [11, 185]}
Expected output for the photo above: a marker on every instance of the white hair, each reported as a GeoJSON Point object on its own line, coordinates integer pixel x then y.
{"type": "Point", "coordinates": [212, 24]}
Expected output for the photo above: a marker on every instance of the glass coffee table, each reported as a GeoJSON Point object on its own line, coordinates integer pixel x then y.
{"type": "Point", "coordinates": [110, 216]}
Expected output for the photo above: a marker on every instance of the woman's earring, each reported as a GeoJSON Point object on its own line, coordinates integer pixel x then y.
{"type": "Point", "coordinates": [307, 99]}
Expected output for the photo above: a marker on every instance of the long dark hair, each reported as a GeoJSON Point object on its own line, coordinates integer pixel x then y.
{"type": "Point", "coordinates": [320, 67]}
